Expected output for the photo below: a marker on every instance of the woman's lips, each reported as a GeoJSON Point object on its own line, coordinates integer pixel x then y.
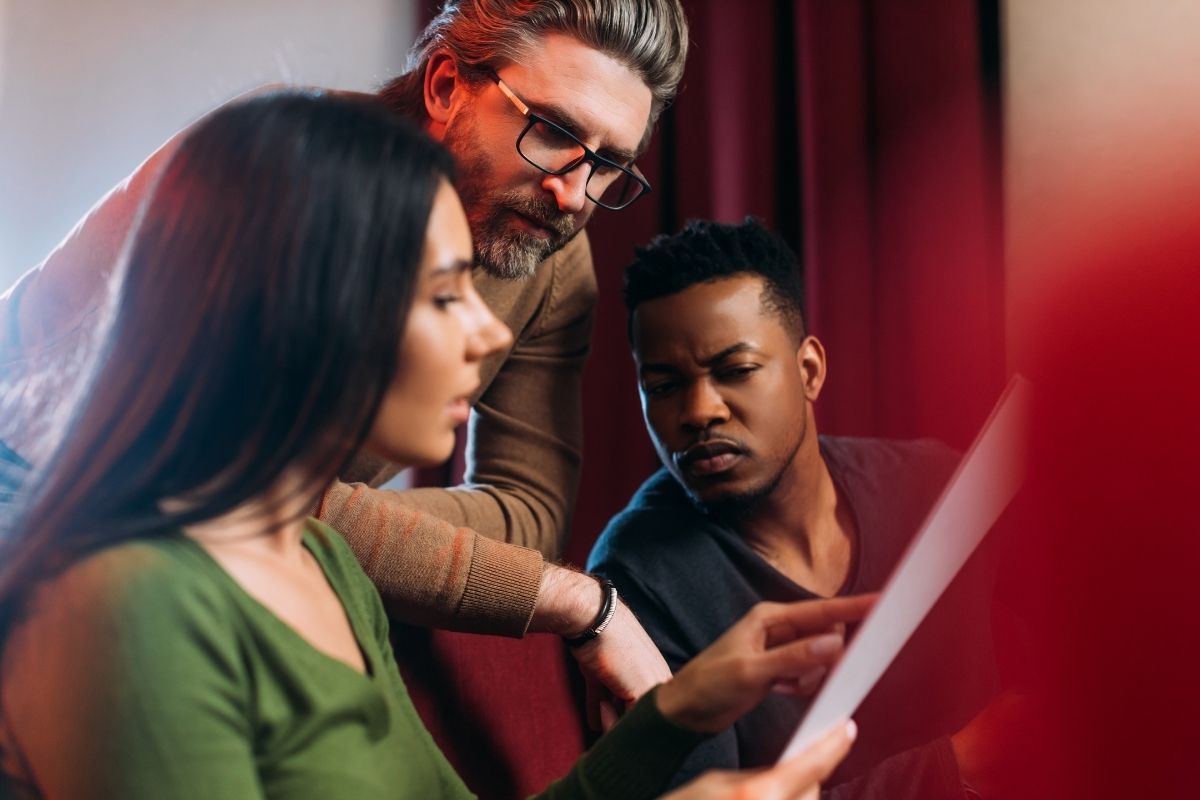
{"type": "Point", "coordinates": [459, 410]}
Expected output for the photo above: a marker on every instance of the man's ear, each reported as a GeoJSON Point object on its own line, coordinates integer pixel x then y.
{"type": "Point", "coordinates": [442, 84]}
{"type": "Point", "coordinates": [810, 358]}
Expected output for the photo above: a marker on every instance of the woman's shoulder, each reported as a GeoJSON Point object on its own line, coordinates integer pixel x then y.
{"type": "Point", "coordinates": [343, 570]}
{"type": "Point", "coordinates": [147, 585]}
{"type": "Point", "coordinates": [331, 548]}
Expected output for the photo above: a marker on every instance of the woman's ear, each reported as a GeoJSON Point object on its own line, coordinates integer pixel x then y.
{"type": "Point", "coordinates": [810, 358]}
{"type": "Point", "coordinates": [442, 82]}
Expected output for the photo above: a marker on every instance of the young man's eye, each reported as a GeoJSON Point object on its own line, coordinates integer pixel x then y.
{"type": "Point", "coordinates": [445, 299]}
{"type": "Point", "coordinates": [739, 372]}
{"type": "Point", "coordinates": [659, 389]}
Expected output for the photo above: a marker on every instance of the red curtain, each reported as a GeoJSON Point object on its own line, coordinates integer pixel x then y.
{"type": "Point", "coordinates": [866, 134]}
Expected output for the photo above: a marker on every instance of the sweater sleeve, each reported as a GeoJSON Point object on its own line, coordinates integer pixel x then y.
{"type": "Point", "coordinates": [430, 572]}
{"type": "Point", "coordinates": [634, 760]}
{"type": "Point", "coordinates": [526, 445]}
{"type": "Point", "coordinates": [125, 680]}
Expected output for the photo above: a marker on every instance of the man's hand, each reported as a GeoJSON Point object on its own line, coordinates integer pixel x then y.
{"type": "Point", "coordinates": [781, 646]}
{"type": "Point", "coordinates": [798, 777]}
{"type": "Point", "coordinates": [621, 665]}
{"type": "Point", "coordinates": [622, 660]}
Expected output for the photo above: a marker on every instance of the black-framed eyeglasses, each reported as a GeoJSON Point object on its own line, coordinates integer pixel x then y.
{"type": "Point", "coordinates": [556, 151]}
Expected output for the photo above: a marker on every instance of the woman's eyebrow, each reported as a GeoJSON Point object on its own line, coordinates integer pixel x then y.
{"type": "Point", "coordinates": [454, 267]}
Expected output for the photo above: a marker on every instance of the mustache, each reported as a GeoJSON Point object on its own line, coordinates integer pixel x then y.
{"type": "Point", "coordinates": [544, 214]}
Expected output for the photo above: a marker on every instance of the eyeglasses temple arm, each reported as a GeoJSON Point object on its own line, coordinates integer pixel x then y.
{"type": "Point", "coordinates": [516, 101]}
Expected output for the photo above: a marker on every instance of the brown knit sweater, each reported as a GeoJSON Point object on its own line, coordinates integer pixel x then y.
{"type": "Point", "coordinates": [467, 558]}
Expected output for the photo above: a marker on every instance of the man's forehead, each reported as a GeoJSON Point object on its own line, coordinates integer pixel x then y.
{"type": "Point", "coordinates": [703, 321]}
{"type": "Point", "coordinates": [589, 89]}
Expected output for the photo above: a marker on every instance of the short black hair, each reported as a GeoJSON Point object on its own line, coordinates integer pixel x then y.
{"type": "Point", "coordinates": [708, 251]}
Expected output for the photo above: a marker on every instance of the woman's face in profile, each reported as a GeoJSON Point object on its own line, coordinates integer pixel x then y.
{"type": "Point", "coordinates": [450, 330]}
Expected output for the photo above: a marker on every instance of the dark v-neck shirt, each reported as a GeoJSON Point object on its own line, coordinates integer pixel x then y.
{"type": "Point", "coordinates": [689, 578]}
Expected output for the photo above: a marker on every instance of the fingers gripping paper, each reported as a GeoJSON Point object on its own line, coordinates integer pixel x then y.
{"type": "Point", "coordinates": [984, 483]}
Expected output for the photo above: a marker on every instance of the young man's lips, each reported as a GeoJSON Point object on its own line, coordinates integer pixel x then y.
{"type": "Point", "coordinates": [710, 458]}
{"type": "Point", "coordinates": [714, 465]}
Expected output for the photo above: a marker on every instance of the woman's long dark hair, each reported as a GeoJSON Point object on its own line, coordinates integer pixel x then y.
{"type": "Point", "coordinates": [261, 304]}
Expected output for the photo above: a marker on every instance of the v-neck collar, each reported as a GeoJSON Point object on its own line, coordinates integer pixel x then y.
{"type": "Point", "coordinates": [309, 539]}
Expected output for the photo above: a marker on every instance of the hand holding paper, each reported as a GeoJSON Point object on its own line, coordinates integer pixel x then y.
{"type": "Point", "coordinates": [775, 645]}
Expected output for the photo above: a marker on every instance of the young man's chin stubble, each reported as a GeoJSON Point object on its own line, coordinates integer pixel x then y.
{"type": "Point", "coordinates": [734, 508]}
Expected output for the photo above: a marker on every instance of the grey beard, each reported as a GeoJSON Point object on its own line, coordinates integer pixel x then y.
{"type": "Point", "coordinates": [506, 257]}
{"type": "Point", "coordinates": [511, 254]}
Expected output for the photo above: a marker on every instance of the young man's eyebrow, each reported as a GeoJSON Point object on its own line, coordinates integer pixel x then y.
{"type": "Point", "coordinates": [732, 350]}
{"type": "Point", "coordinates": [740, 347]}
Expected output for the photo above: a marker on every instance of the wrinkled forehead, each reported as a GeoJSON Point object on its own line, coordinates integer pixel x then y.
{"type": "Point", "coordinates": [604, 100]}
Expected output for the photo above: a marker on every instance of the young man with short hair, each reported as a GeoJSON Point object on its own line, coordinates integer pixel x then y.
{"type": "Point", "coordinates": [753, 505]}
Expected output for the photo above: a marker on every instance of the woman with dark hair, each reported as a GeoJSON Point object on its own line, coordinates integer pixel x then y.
{"type": "Point", "coordinates": [297, 288]}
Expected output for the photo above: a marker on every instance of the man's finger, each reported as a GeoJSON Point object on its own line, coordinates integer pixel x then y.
{"type": "Point", "coordinates": [803, 684]}
{"type": "Point", "coordinates": [796, 658]}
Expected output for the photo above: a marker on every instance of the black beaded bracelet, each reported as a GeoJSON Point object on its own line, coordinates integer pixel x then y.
{"type": "Point", "coordinates": [607, 610]}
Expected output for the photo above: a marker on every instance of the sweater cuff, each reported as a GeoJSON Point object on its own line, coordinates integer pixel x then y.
{"type": "Point", "coordinates": [638, 757]}
{"type": "Point", "coordinates": [502, 588]}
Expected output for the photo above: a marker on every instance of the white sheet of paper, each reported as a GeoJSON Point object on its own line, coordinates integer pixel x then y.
{"type": "Point", "coordinates": [983, 485]}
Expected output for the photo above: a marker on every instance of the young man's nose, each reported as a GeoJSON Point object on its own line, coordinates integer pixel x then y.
{"type": "Point", "coordinates": [703, 406]}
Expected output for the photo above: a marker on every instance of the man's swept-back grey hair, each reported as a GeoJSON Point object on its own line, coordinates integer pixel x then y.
{"type": "Point", "coordinates": [647, 36]}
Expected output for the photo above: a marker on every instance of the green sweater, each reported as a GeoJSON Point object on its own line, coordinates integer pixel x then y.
{"type": "Point", "coordinates": [146, 671]}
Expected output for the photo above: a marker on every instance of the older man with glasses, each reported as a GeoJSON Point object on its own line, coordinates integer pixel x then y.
{"type": "Point", "coordinates": [556, 151]}
{"type": "Point", "coordinates": [544, 105]}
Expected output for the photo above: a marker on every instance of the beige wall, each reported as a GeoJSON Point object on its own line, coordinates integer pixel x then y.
{"type": "Point", "coordinates": [88, 88]}
{"type": "Point", "coordinates": [1102, 135]}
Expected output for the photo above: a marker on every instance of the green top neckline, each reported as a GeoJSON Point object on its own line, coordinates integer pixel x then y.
{"type": "Point", "coordinates": [313, 540]}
